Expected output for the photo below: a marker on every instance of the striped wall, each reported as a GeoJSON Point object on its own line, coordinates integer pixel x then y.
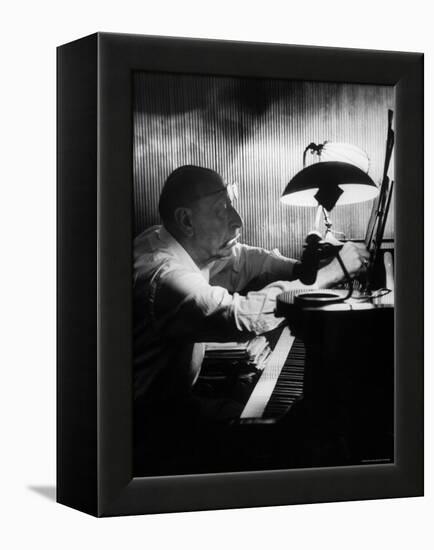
{"type": "Point", "coordinates": [253, 132]}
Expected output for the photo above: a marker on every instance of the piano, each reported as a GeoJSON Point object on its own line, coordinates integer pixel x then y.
{"type": "Point", "coordinates": [328, 385]}
{"type": "Point", "coordinates": [281, 382]}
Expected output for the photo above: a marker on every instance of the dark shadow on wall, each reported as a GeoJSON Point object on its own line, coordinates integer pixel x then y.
{"type": "Point", "coordinates": [47, 491]}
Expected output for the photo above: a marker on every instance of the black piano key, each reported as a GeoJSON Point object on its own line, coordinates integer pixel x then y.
{"type": "Point", "coordinates": [289, 385]}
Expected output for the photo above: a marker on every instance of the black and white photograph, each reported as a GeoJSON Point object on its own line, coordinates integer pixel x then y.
{"type": "Point", "coordinates": [216, 275]}
{"type": "Point", "coordinates": [263, 274]}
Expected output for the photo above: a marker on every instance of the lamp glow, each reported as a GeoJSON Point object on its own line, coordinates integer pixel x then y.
{"type": "Point", "coordinates": [328, 184]}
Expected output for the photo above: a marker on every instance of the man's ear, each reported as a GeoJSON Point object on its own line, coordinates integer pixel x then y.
{"type": "Point", "coordinates": [184, 220]}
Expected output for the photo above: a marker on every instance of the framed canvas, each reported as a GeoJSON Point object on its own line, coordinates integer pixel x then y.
{"type": "Point", "coordinates": [141, 290]}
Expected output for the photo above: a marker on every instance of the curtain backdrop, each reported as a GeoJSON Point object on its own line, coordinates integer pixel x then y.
{"type": "Point", "coordinates": [254, 131]}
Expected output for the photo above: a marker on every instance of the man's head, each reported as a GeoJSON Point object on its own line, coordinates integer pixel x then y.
{"type": "Point", "coordinates": [196, 207]}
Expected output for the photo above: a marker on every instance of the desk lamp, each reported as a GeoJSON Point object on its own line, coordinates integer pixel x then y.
{"type": "Point", "coordinates": [326, 184]}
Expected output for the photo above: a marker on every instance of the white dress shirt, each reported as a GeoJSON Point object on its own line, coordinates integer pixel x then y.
{"type": "Point", "coordinates": [178, 306]}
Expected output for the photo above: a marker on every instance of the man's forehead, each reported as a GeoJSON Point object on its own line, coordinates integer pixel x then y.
{"type": "Point", "coordinates": [215, 192]}
{"type": "Point", "coordinates": [207, 188]}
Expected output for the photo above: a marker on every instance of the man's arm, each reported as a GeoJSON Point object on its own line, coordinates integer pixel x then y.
{"type": "Point", "coordinates": [251, 264]}
{"type": "Point", "coordinates": [185, 306]}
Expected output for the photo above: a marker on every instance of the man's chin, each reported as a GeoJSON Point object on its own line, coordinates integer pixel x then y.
{"type": "Point", "coordinates": [226, 252]}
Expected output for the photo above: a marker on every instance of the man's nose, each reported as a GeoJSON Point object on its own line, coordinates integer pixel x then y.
{"type": "Point", "coordinates": [236, 219]}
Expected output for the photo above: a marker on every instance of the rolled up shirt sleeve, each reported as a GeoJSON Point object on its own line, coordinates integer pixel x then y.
{"type": "Point", "coordinates": [185, 305]}
{"type": "Point", "coordinates": [252, 266]}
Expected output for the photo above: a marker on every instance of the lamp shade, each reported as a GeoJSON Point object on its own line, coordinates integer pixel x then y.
{"type": "Point", "coordinates": [329, 184]}
{"type": "Point", "coordinates": [345, 152]}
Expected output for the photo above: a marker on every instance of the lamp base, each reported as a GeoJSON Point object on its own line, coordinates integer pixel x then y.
{"type": "Point", "coordinates": [317, 299]}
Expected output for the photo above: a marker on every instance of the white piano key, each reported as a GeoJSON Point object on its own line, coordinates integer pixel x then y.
{"type": "Point", "coordinates": [264, 388]}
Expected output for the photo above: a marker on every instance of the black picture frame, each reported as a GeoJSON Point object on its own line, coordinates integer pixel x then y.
{"type": "Point", "coordinates": [94, 381]}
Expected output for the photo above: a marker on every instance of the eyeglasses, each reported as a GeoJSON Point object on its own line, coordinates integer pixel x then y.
{"type": "Point", "coordinates": [230, 188]}
{"type": "Point", "coordinates": [232, 191]}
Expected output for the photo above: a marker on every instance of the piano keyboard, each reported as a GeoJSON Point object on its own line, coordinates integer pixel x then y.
{"type": "Point", "coordinates": [281, 382]}
{"type": "Point", "coordinates": [289, 385]}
